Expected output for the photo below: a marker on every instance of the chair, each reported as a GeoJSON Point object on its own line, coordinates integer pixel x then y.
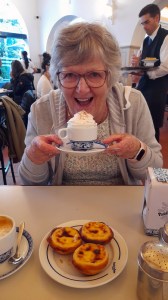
{"type": "Point", "coordinates": [27, 100]}
{"type": "Point", "coordinates": [5, 168]}
{"type": "Point", "coordinates": [12, 134]}
{"type": "Point", "coordinates": [4, 143]}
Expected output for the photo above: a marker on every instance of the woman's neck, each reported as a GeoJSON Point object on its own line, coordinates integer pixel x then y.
{"type": "Point", "coordinates": [103, 116]}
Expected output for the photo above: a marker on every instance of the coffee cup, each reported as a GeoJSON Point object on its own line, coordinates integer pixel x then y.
{"type": "Point", "coordinates": [7, 237]}
{"type": "Point", "coordinates": [81, 137]}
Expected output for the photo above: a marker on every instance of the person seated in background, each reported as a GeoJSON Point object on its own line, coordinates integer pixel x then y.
{"type": "Point", "coordinates": [44, 85]}
{"type": "Point", "coordinates": [21, 81]}
{"type": "Point", "coordinates": [27, 64]}
{"type": "Point", "coordinates": [27, 100]}
{"type": "Point", "coordinates": [85, 65]}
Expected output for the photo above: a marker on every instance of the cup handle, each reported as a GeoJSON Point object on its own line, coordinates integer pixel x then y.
{"type": "Point", "coordinates": [62, 130]}
{"type": "Point", "coordinates": [63, 137]}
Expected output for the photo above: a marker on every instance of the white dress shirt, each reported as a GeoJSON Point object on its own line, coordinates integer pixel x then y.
{"type": "Point", "coordinates": [162, 70]}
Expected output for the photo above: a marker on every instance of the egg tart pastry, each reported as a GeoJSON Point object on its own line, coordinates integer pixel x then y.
{"type": "Point", "coordinates": [90, 258]}
{"type": "Point", "coordinates": [96, 232]}
{"type": "Point", "coordinates": [64, 240]}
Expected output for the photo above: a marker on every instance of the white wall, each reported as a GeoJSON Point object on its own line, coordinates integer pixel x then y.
{"type": "Point", "coordinates": [125, 28]}
{"type": "Point", "coordinates": [125, 16]}
{"type": "Point", "coordinates": [28, 11]}
{"type": "Point", "coordinates": [125, 25]}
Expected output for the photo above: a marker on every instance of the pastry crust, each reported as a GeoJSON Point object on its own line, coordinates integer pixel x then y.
{"type": "Point", "coordinates": [64, 240]}
{"type": "Point", "coordinates": [96, 232]}
{"type": "Point", "coordinates": [90, 258]}
{"type": "Point", "coordinates": [150, 58]}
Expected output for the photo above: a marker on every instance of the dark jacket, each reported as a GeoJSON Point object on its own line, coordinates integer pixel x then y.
{"type": "Point", "coordinates": [20, 85]}
{"type": "Point", "coordinates": [27, 100]}
{"type": "Point", "coordinates": [155, 91]}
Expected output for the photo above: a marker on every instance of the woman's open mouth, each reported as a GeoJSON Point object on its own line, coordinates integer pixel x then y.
{"type": "Point", "coordinates": [84, 101]}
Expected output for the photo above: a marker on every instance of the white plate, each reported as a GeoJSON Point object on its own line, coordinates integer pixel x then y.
{"type": "Point", "coordinates": [67, 149]}
{"type": "Point", "coordinates": [59, 267]}
{"type": "Point", "coordinates": [26, 248]}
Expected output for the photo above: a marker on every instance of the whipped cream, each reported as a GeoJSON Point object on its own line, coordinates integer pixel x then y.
{"type": "Point", "coordinates": [82, 118]}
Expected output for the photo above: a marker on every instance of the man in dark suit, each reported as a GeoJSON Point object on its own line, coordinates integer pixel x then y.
{"type": "Point", "coordinates": [154, 83]}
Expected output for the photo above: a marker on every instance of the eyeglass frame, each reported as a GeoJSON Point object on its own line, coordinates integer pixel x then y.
{"type": "Point", "coordinates": [82, 76]}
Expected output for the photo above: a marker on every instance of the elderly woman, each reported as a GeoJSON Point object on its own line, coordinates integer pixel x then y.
{"type": "Point", "coordinates": [85, 64]}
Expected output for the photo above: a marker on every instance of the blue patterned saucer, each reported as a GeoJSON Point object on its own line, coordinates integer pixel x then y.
{"type": "Point", "coordinates": [26, 248]}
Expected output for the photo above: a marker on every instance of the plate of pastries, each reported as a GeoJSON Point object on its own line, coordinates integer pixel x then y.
{"type": "Point", "coordinates": [83, 253]}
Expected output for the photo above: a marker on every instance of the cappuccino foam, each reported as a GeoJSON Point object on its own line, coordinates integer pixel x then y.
{"type": "Point", "coordinates": [5, 225]}
{"type": "Point", "coordinates": [82, 118]}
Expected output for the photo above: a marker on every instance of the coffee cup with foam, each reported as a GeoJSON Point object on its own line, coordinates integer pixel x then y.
{"type": "Point", "coordinates": [81, 132]}
{"type": "Point", "coordinates": [7, 237]}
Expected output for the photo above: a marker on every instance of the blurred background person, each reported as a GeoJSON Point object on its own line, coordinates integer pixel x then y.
{"type": "Point", "coordinates": [27, 100]}
{"type": "Point", "coordinates": [21, 81]}
{"type": "Point", "coordinates": [27, 63]}
{"type": "Point", "coordinates": [44, 85]}
{"type": "Point", "coordinates": [154, 83]}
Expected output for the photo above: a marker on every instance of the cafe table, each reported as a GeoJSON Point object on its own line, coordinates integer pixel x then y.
{"type": "Point", "coordinates": [4, 92]}
{"type": "Point", "coordinates": [43, 208]}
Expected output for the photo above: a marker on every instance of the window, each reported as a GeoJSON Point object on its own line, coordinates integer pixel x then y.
{"type": "Point", "coordinates": [13, 38]}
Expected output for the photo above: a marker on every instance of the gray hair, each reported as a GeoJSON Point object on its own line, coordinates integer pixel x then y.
{"type": "Point", "coordinates": [81, 42]}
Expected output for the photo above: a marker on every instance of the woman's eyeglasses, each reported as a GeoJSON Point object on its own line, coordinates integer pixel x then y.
{"type": "Point", "coordinates": [93, 79]}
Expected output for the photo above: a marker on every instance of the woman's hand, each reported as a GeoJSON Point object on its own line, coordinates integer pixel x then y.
{"type": "Point", "coordinates": [42, 148]}
{"type": "Point", "coordinates": [123, 145]}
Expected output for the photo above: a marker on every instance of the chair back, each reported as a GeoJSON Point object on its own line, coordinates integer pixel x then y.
{"type": "Point", "coordinates": [27, 100]}
{"type": "Point", "coordinates": [15, 128]}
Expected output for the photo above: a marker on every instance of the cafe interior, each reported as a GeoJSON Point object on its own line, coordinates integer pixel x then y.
{"type": "Point", "coordinates": [137, 215]}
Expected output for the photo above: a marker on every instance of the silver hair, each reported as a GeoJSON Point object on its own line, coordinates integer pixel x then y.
{"type": "Point", "coordinates": [82, 42]}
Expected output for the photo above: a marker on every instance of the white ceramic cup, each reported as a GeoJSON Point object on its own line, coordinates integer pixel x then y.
{"type": "Point", "coordinates": [81, 137]}
{"type": "Point", "coordinates": [78, 133]}
{"type": "Point", "coordinates": [7, 237]}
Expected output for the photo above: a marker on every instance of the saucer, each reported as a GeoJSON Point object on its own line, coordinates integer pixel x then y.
{"type": "Point", "coordinates": [26, 248]}
{"type": "Point", "coordinates": [97, 148]}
